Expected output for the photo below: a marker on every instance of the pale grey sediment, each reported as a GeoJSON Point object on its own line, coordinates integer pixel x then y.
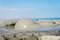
{"type": "Point", "coordinates": [25, 29]}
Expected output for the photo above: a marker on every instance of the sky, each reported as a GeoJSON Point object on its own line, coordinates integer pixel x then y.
{"type": "Point", "coordinates": [10, 9]}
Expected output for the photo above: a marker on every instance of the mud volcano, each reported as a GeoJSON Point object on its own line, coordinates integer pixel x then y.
{"type": "Point", "coordinates": [26, 24]}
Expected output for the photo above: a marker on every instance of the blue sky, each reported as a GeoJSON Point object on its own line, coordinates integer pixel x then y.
{"type": "Point", "coordinates": [29, 8]}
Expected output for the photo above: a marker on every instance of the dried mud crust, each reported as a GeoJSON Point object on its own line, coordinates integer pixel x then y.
{"type": "Point", "coordinates": [18, 36]}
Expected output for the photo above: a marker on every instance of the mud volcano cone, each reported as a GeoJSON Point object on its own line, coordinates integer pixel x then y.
{"type": "Point", "coordinates": [26, 24]}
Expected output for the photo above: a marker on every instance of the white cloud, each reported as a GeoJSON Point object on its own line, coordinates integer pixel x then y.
{"type": "Point", "coordinates": [3, 9]}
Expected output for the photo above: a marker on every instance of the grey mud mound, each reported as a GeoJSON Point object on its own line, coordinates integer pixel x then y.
{"type": "Point", "coordinates": [26, 24]}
